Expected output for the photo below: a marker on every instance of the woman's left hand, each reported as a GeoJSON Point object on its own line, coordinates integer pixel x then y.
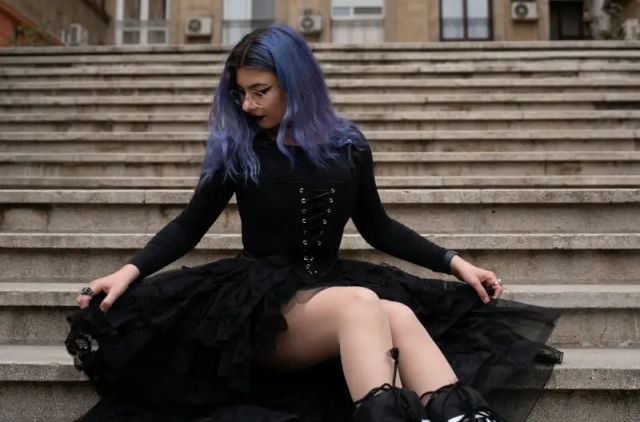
{"type": "Point", "coordinates": [477, 278]}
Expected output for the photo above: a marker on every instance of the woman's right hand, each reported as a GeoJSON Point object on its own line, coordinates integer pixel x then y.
{"type": "Point", "coordinates": [113, 285]}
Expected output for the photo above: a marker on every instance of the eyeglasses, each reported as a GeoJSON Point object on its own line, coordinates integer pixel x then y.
{"type": "Point", "coordinates": [257, 98]}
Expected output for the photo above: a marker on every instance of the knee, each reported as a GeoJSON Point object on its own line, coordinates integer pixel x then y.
{"type": "Point", "coordinates": [360, 302]}
{"type": "Point", "coordinates": [401, 318]}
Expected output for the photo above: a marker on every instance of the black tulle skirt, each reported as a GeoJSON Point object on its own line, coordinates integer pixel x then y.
{"type": "Point", "coordinates": [183, 345]}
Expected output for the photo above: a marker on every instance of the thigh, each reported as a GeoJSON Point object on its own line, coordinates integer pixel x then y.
{"type": "Point", "coordinates": [312, 328]}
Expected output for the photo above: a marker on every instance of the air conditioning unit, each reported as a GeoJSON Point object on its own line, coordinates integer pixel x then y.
{"type": "Point", "coordinates": [524, 10]}
{"type": "Point", "coordinates": [198, 26]}
{"type": "Point", "coordinates": [310, 24]}
{"type": "Point", "coordinates": [75, 34]}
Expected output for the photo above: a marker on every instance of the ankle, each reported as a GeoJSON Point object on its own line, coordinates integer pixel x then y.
{"type": "Point", "coordinates": [456, 401]}
{"type": "Point", "coordinates": [425, 397]}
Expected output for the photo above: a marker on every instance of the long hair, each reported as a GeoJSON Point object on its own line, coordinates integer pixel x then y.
{"type": "Point", "coordinates": [310, 117]}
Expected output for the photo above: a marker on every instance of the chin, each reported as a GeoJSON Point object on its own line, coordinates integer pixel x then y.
{"type": "Point", "coordinates": [265, 124]}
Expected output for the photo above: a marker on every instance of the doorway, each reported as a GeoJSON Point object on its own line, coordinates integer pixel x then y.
{"type": "Point", "coordinates": [565, 19]}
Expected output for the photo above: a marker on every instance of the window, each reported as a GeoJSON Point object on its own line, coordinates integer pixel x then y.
{"type": "Point", "coordinates": [466, 20]}
{"type": "Point", "coordinates": [243, 16]}
{"type": "Point", "coordinates": [357, 21]}
{"type": "Point", "coordinates": [142, 22]}
{"type": "Point", "coordinates": [357, 12]}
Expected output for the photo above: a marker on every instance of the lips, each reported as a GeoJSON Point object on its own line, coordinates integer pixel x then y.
{"type": "Point", "coordinates": [256, 118]}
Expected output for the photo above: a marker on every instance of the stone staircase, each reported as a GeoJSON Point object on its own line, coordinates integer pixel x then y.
{"type": "Point", "coordinates": [524, 157]}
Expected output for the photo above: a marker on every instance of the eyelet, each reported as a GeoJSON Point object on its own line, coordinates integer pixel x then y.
{"type": "Point", "coordinates": [304, 210]}
{"type": "Point", "coordinates": [303, 200]}
{"type": "Point", "coordinates": [324, 221]}
{"type": "Point", "coordinates": [311, 259]}
{"type": "Point", "coordinates": [305, 242]}
{"type": "Point", "coordinates": [304, 221]}
{"type": "Point", "coordinates": [331, 200]}
{"type": "Point", "coordinates": [333, 190]}
{"type": "Point", "coordinates": [318, 243]}
{"type": "Point", "coordinates": [328, 210]}
{"type": "Point", "coordinates": [306, 258]}
{"type": "Point", "coordinates": [307, 266]}
{"type": "Point", "coordinates": [301, 190]}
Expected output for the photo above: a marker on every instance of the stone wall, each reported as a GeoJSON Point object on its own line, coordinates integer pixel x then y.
{"type": "Point", "coordinates": [56, 15]}
{"type": "Point", "coordinates": [505, 29]}
{"type": "Point", "coordinates": [632, 11]}
{"type": "Point", "coordinates": [405, 20]}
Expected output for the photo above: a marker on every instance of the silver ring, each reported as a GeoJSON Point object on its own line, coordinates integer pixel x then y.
{"type": "Point", "coordinates": [500, 281]}
{"type": "Point", "coordinates": [86, 291]}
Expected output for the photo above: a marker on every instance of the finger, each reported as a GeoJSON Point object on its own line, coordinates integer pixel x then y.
{"type": "Point", "coordinates": [479, 288]}
{"type": "Point", "coordinates": [490, 281]}
{"type": "Point", "coordinates": [113, 294]}
{"type": "Point", "coordinates": [497, 285]}
{"type": "Point", "coordinates": [497, 291]}
{"type": "Point", "coordinates": [83, 300]}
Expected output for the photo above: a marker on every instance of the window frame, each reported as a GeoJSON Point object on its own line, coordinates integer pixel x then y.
{"type": "Point", "coordinates": [354, 16]}
{"type": "Point", "coordinates": [142, 26]}
{"type": "Point", "coordinates": [465, 18]}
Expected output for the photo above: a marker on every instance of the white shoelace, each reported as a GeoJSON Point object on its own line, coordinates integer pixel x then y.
{"type": "Point", "coordinates": [480, 416]}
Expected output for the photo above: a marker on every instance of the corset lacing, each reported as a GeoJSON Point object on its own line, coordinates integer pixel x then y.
{"type": "Point", "coordinates": [315, 208]}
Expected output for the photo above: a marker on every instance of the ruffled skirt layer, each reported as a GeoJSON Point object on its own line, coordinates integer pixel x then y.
{"type": "Point", "coordinates": [183, 345]}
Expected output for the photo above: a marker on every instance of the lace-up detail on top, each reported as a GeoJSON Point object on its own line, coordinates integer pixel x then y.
{"type": "Point", "coordinates": [316, 206]}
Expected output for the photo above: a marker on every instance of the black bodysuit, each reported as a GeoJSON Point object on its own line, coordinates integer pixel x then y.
{"type": "Point", "coordinates": [299, 212]}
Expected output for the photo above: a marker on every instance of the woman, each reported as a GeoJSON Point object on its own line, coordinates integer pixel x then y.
{"type": "Point", "coordinates": [287, 331]}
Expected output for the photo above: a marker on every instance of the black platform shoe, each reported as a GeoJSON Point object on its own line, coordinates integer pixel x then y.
{"type": "Point", "coordinates": [458, 403]}
{"type": "Point", "coordinates": [389, 403]}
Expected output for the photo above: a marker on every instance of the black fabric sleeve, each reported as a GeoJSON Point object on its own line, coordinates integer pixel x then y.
{"type": "Point", "coordinates": [383, 232]}
{"type": "Point", "coordinates": [184, 232]}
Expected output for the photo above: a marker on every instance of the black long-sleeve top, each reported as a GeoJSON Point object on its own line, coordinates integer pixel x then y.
{"type": "Point", "coordinates": [298, 211]}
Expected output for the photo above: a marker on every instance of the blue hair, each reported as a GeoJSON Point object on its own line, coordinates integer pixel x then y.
{"type": "Point", "coordinates": [309, 116]}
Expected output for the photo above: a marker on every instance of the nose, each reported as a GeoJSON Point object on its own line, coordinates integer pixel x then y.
{"type": "Point", "coordinates": [247, 106]}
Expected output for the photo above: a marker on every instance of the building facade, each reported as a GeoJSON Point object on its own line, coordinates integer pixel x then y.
{"type": "Point", "coordinates": [158, 22]}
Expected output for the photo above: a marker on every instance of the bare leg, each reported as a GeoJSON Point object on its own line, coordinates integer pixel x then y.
{"type": "Point", "coordinates": [346, 321]}
{"type": "Point", "coordinates": [422, 365]}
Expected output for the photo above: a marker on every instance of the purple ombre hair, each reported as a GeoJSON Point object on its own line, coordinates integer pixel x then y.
{"type": "Point", "coordinates": [309, 114]}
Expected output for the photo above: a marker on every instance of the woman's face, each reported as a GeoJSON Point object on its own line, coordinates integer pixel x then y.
{"type": "Point", "coordinates": [261, 97]}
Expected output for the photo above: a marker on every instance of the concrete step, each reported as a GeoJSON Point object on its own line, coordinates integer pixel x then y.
{"type": "Point", "coordinates": [424, 120]}
{"type": "Point", "coordinates": [590, 385]}
{"type": "Point", "coordinates": [449, 211]}
{"type": "Point", "coordinates": [389, 164]}
{"type": "Point", "coordinates": [391, 182]}
{"type": "Point", "coordinates": [381, 141]}
{"type": "Point", "coordinates": [458, 47]}
{"type": "Point", "coordinates": [342, 102]}
{"type": "Point", "coordinates": [205, 86]}
{"type": "Point", "coordinates": [592, 68]}
{"type": "Point", "coordinates": [595, 316]}
{"type": "Point", "coordinates": [333, 57]}
{"type": "Point", "coordinates": [547, 258]}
